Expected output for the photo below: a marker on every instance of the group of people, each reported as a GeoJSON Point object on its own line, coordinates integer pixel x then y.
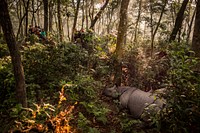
{"type": "Point", "coordinates": [37, 31]}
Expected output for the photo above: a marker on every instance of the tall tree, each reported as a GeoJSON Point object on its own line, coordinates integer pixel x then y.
{"type": "Point", "coordinates": [26, 6]}
{"type": "Point", "coordinates": [98, 15]}
{"type": "Point", "coordinates": [196, 34]}
{"type": "Point", "coordinates": [86, 13]}
{"type": "Point", "coordinates": [33, 12]}
{"type": "Point", "coordinates": [75, 19]}
{"type": "Point", "coordinates": [122, 28]}
{"type": "Point", "coordinates": [83, 14]}
{"type": "Point", "coordinates": [6, 24]}
{"type": "Point", "coordinates": [60, 27]}
{"type": "Point", "coordinates": [190, 26]}
{"type": "Point", "coordinates": [19, 15]}
{"type": "Point", "coordinates": [179, 20]}
{"type": "Point", "coordinates": [158, 24]}
{"type": "Point", "coordinates": [51, 15]}
{"type": "Point", "coordinates": [137, 21]}
{"type": "Point", "coordinates": [46, 17]}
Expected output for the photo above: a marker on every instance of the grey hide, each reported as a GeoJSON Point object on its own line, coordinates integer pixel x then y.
{"type": "Point", "coordinates": [134, 99]}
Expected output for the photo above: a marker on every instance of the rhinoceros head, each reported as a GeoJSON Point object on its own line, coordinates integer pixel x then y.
{"type": "Point", "coordinates": [112, 92]}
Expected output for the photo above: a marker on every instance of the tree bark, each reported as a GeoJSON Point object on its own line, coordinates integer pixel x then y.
{"type": "Point", "coordinates": [91, 10]}
{"type": "Point", "coordinates": [19, 15]}
{"type": "Point", "coordinates": [179, 20]}
{"type": "Point", "coordinates": [46, 17]}
{"type": "Point", "coordinates": [50, 16]}
{"type": "Point", "coordinates": [196, 34]}
{"type": "Point", "coordinates": [158, 24]}
{"type": "Point", "coordinates": [137, 21]}
{"type": "Point", "coordinates": [122, 28]}
{"type": "Point", "coordinates": [83, 15]}
{"type": "Point", "coordinates": [26, 6]}
{"type": "Point", "coordinates": [60, 27]}
{"type": "Point", "coordinates": [14, 53]}
{"type": "Point", "coordinates": [0, 29]}
{"type": "Point", "coordinates": [98, 15]}
{"type": "Point", "coordinates": [33, 13]}
{"type": "Point", "coordinates": [38, 13]}
{"type": "Point", "coordinates": [75, 19]}
{"type": "Point", "coordinates": [86, 14]}
{"type": "Point", "coordinates": [190, 26]}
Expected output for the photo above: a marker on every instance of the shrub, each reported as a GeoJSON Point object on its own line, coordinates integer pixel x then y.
{"type": "Point", "coordinates": [46, 66]}
{"type": "Point", "coordinates": [182, 113]}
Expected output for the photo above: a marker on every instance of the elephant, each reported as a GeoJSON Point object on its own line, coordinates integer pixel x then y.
{"type": "Point", "coordinates": [136, 100]}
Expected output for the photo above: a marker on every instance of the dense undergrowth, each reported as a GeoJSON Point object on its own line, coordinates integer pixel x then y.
{"type": "Point", "coordinates": [64, 84]}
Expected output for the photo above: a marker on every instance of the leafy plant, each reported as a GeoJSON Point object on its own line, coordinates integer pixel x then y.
{"type": "Point", "coordinates": [97, 110]}
{"type": "Point", "coordinates": [182, 113]}
{"type": "Point", "coordinates": [83, 124]}
{"type": "Point", "coordinates": [128, 124]}
{"type": "Point", "coordinates": [43, 118]}
{"type": "Point", "coordinates": [48, 63]}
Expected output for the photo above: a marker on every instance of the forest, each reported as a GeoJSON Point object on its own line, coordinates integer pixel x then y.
{"type": "Point", "coordinates": [99, 66]}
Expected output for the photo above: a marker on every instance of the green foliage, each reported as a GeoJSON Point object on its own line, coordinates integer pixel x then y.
{"type": "Point", "coordinates": [130, 125]}
{"type": "Point", "coordinates": [43, 66]}
{"type": "Point", "coordinates": [83, 124]}
{"type": "Point", "coordinates": [33, 38]}
{"type": "Point", "coordinates": [182, 113]}
{"type": "Point", "coordinates": [84, 90]}
{"type": "Point", "coordinates": [4, 50]}
{"type": "Point", "coordinates": [97, 110]}
{"type": "Point", "coordinates": [7, 83]}
{"type": "Point", "coordinates": [37, 113]}
{"type": "Point", "coordinates": [33, 118]}
{"type": "Point", "coordinates": [127, 125]}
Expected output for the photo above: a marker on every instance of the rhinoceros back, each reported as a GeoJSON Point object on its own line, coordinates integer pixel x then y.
{"type": "Point", "coordinates": [125, 96]}
{"type": "Point", "coordinates": [138, 100]}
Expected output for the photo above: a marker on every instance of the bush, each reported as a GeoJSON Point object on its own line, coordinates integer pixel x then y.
{"type": "Point", "coordinates": [7, 83]}
{"type": "Point", "coordinates": [182, 113]}
{"type": "Point", "coordinates": [46, 66]}
{"type": "Point", "coordinates": [84, 90]}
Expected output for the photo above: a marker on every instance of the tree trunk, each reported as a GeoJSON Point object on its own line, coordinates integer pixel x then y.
{"type": "Point", "coordinates": [179, 20]}
{"type": "Point", "coordinates": [91, 10]}
{"type": "Point", "coordinates": [137, 21]}
{"type": "Point", "coordinates": [26, 6]}
{"type": "Point", "coordinates": [83, 15]}
{"type": "Point", "coordinates": [60, 28]}
{"type": "Point", "coordinates": [19, 15]}
{"type": "Point", "coordinates": [38, 13]}
{"type": "Point", "coordinates": [46, 17]}
{"type": "Point", "coordinates": [98, 15]}
{"type": "Point", "coordinates": [14, 53]}
{"type": "Point", "coordinates": [0, 29]}
{"type": "Point", "coordinates": [158, 24]}
{"type": "Point", "coordinates": [122, 28]}
{"type": "Point", "coordinates": [75, 19]}
{"type": "Point", "coordinates": [86, 14]}
{"type": "Point", "coordinates": [196, 34]}
{"type": "Point", "coordinates": [190, 26]}
{"type": "Point", "coordinates": [151, 20]}
{"type": "Point", "coordinates": [68, 29]}
{"type": "Point", "coordinates": [33, 13]}
{"type": "Point", "coordinates": [50, 16]}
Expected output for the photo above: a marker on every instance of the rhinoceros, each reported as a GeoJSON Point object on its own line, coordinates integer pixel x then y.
{"type": "Point", "coordinates": [135, 100]}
